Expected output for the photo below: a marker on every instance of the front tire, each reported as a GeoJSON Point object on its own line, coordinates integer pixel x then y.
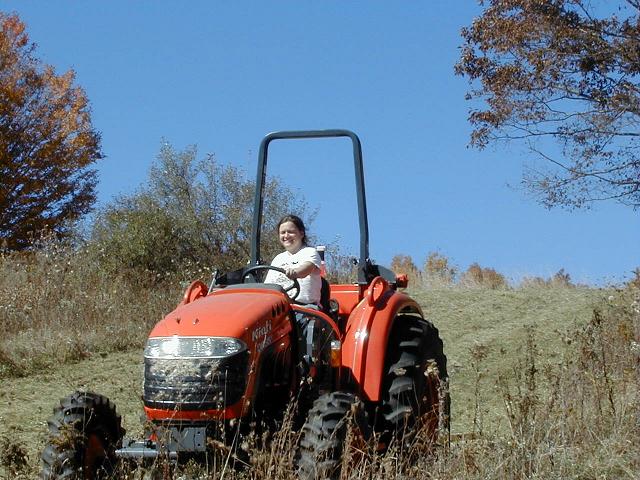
{"type": "Point", "coordinates": [85, 431]}
{"type": "Point", "coordinates": [324, 434]}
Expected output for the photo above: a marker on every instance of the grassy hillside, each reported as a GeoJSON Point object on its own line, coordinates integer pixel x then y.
{"type": "Point", "coordinates": [543, 380]}
{"type": "Point", "coordinates": [486, 332]}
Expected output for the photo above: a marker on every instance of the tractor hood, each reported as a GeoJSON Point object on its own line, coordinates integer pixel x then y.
{"type": "Point", "coordinates": [229, 312]}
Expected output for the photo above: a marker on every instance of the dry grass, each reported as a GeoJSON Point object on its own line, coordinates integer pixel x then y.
{"type": "Point", "coordinates": [544, 379]}
{"type": "Point", "coordinates": [58, 306]}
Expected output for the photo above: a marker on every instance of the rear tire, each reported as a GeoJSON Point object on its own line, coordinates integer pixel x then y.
{"type": "Point", "coordinates": [415, 387]}
{"type": "Point", "coordinates": [324, 434]}
{"type": "Point", "coordinates": [85, 431]}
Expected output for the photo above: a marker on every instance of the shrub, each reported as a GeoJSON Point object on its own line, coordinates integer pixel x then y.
{"type": "Point", "coordinates": [404, 264]}
{"type": "Point", "coordinates": [139, 238]}
{"type": "Point", "coordinates": [635, 281]}
{"type": "Point", "coordinates": [483, 277]}
{"type": "Point", "coordinates": [438, 270]}
{"type": "Point", "coordinates": [560, 279]}
{"type": "Point", "coordinates": [191, 212]}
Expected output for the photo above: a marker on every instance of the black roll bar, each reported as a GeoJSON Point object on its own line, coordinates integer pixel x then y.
{"type": "Point", "coordinates": [359, 177]}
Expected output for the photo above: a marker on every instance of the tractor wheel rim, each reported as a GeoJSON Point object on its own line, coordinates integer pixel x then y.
{"type": "Point", "coordinates": [433, 405]}
{"type": "Point", "coordinates": [94, 456]}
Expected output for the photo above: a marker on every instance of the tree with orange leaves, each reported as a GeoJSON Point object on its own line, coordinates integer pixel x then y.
{"type": "Point", "coordinates": [47, 143]}
{"type": "Point", "coordinates": [561, 77]}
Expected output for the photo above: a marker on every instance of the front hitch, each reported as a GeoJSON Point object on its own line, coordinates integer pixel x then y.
{"type": "Point", "coordinates": [170, 442]}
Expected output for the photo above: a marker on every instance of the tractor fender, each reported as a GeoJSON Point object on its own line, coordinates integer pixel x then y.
{"type": "Point", "coordinates": [365, 341]}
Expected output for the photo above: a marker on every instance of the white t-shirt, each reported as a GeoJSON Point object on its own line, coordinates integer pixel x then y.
{"type": "Point", "coordinates": [310, 285]}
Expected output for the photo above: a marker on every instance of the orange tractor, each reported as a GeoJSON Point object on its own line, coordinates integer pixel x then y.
{"type": "Point", "coordinates": [233, 354]}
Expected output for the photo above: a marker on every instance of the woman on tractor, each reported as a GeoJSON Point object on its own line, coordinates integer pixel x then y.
{"type": "Point", "coordinates": [302, 263]}
{"type": "Point", "coordinates": [299, 261]}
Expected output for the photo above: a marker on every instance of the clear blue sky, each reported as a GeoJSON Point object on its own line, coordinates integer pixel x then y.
{"type": "Point", "coordinates": [223, 74]}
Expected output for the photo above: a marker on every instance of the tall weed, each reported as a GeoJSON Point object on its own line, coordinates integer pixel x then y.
{"type": "Point", "coordinates": [57, 305]}
{"type": "Point", "coordinates": [571, 414]}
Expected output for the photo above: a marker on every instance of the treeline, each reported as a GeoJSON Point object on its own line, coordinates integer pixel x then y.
{"type": "Point", "coordinates": [438, 270]}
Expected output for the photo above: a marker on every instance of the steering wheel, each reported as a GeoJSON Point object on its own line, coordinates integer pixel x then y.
{"type": "Point", "coordinates": [295, 285]}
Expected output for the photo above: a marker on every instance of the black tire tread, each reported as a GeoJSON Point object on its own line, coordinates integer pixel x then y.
{"type": "Point", "coordinates": [323, 435]}
{"type": "Point", "coordinates": [414, 343]}
{"type": "Point", "coordinates": [83, 413]}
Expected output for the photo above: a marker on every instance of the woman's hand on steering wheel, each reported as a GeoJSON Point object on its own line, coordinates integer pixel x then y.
{"type": "Point", "coordinates": [295, 285]}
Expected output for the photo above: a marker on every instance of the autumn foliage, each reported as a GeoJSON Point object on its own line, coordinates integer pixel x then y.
{"type": "Point", "coordinates": [483, 276]}
{"type": "Point", "coordinates": [561, 78]}
{"type": "Point", "coordinates": [47, 143]}
{"type": "Point", "coordinates": [404, 264]}
{"type": "Point", "coordinates": [438, 269]}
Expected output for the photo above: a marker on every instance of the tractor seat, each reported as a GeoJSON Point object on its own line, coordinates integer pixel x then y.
{"type": "Point", "coordinates": [328, 305]}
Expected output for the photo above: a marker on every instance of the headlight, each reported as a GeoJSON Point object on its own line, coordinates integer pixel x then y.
{"type": "Point", "coordinates": [192, 347]}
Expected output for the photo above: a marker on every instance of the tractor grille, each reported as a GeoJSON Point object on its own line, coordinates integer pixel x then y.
{"type": "Point", "coordinates": [195, 383]}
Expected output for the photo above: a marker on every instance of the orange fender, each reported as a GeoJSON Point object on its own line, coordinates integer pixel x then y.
{"type": "Point", "coordinates": [194, 291]}
{"type": "Point", "coordinates": [365, 342]}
